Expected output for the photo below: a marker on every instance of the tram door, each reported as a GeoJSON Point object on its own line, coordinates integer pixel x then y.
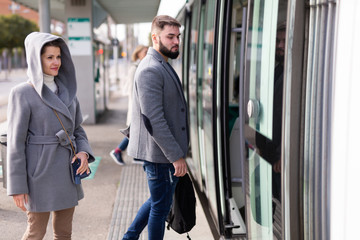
{"type": "Point", "coordinates": [194, 162]}
{"type": "Point", "coordinates": [263, 90]}
{"type": "Point", "coordinates": [206, 127]}
{"type": "Point", "coordinates": [234, 118]}
{"type": "Point", "coordinates": [201, 98]}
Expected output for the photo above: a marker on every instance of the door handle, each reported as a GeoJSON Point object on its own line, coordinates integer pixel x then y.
{"type": "Point", "coordinates": [253, 109]}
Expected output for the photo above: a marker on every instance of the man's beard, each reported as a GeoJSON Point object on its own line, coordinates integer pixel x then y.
{"type": "Point", "coordinates": [168, 53]}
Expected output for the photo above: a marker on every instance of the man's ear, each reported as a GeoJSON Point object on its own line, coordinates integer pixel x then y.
{"type": "Point", "coordinates": [154, 39]}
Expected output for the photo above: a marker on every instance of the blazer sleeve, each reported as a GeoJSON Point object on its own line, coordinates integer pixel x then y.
{"type": "Point", "coordinates": [149, 86]}
{"type": "Point", "coordinates": [81, 139]}
{"type": "Point", "coordinates": [18, 122]}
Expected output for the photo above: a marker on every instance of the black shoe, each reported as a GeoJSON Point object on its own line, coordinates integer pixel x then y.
{"type": "Point", "coordinates": [117, 157]}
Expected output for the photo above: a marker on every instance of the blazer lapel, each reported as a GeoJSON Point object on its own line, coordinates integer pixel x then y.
{"type": "Point", "coordinates": [170, 70]}
{"type": "Point", "coordinates": [175, 78]}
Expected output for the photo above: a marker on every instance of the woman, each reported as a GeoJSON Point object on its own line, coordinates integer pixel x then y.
{"type": "Point", "coordinates": [40, 177]}
{"type": "Point", "coordinates": [138, 54]}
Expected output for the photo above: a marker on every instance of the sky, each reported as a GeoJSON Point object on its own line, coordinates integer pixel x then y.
{"type": "Point", "coordinates": [170, 7]}
{"type": "Point", "coordinates": [167, 7]}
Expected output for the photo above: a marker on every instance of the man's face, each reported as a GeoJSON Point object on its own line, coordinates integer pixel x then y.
{"type": "Point", "coordinates": [167, 41]}
{"type": "Point", "coordinates": [280, 46]}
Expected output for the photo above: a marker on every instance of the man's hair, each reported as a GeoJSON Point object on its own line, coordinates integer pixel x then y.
{"type": "Point", "coordinates": [159, 22]}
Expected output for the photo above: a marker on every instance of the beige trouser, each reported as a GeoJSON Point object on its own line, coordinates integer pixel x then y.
{"type": "Point", "coordinates": [61, 221]}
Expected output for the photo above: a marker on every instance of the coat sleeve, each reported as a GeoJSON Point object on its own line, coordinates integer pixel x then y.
{"type": "Point", "coordinates": [18, 122]}
{"type": "Point", "coordinates": [149, 85]}
{"type": "Point", "coordinates": [82, 142]}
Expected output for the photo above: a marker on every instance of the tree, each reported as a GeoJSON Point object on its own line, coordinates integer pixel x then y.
{"type": "Point", "coordinates": [13, 31]}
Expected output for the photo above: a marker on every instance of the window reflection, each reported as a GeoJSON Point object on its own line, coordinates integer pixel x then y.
{"type": "Point", "coordinates": [270, 149]}
{"type": "Point", "coordinates": [265, 72]}
{"type": "Point", "coordinates": [194, 163]}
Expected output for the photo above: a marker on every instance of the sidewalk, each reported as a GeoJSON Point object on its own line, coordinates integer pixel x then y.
{"type": "Point", "coordinates": [112, 197]}
{"type": "Point", "coordinates": [7, 81]}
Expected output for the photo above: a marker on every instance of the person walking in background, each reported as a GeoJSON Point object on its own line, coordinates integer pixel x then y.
{"type": "Point", "coordinates": [39, 154]}
{"type": "Point", "coordinates": [159, 127]}
{"type": "Point", "coordinates": [138, 54]}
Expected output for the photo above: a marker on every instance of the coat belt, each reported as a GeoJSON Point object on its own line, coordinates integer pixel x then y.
{"type": "Point", "coordinates": [31, 139]}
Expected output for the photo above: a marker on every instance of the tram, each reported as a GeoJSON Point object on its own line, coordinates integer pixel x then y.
{"type": "Point", "coordinates": [270, 158]}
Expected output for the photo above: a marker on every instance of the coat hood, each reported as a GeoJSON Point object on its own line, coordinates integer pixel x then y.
{"type": "Point", "coordinates": [66, 79]}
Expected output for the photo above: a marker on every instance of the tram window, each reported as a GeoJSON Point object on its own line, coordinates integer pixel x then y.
{"type": "Point", "coordinates": [194, 163]}
{"type": "Point", "coordinates": [261, 49]}
{"type": "Point", "coordinates": [235, 58]}
{"type": "Point", "coordinates": [206, 93]}
{"type": "Point", "coordinates": [265, 64]}
{"type": "Point", "coordinates": [236, 70]}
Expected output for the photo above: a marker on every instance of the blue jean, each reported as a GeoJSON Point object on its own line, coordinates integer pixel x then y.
{"type": "Point", "coordinates": [153, 212]}
{"type": "Point", "coordinates": [124, 143]}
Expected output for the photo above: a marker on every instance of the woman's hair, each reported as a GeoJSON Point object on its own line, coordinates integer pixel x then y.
{"type": "Point", "coordinates": [54, 43]}
{"type": "Point", "coordinates": [135, 54]}
{"type": "Point", "coordinates": [159, 22]}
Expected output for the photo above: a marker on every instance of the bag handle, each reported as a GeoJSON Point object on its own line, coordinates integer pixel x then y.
{"type": "Point", "coordinates": [72, 146]}
{"type": "Point", "coordinates": [57, 115]}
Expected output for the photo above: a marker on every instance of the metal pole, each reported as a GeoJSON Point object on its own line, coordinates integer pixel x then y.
{"type": "Point", "coordinates": [44, 16]}
{"type": "Point", "coordinates": [116, 57]}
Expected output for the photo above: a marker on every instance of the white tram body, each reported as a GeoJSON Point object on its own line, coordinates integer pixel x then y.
{"type": "Point", "coordinates": [228, 66]}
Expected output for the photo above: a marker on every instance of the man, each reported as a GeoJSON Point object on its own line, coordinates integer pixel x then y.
{"type": "Point", "coordinates": [271, 149]}
{"type": "Point", "coordinates": [159, 127]}
{"type": "Point", "coordinates": [278, 93]}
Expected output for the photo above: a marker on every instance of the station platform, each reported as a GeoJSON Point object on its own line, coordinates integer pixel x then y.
{"type": "Point", "coordinates": [113, 194]}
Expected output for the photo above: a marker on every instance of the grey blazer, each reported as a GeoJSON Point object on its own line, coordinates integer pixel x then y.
{"type": "Point", "coordinates": [159, 125]}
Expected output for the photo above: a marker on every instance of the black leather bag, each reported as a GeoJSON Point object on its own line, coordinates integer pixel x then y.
{"type": "Point", "coordinates": [77, 177]}
{"type": "Point", "coordinates": [182, 216]}
{"type": "Point", "coordinates": [76, 164]}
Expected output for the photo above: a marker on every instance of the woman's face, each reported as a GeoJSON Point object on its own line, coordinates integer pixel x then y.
{"type": "Point", "coordinates": [51, 60]}
{"type": "Point", "coordinates": [142, 53]}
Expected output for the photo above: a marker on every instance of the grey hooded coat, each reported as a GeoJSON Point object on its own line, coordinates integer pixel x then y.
{"type": "Point", "coordinates": [38, 152]}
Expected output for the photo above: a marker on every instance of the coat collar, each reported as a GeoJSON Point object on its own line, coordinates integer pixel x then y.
{"type": "Point", "coordinates": [56, 101]}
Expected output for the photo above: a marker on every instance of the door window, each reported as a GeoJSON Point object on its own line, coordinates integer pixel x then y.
{"type": "Point", "coordinates": [194, 163]}
{"type": "Point", "coordinates": [207, 102]}
{"type": "Point", "coordinates": [261, 48]}
{"type": "Point", "coordinates": [263, 127]}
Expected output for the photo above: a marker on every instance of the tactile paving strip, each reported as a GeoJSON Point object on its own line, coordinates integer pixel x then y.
{"type": "Point", "coordinates": [131, 194]}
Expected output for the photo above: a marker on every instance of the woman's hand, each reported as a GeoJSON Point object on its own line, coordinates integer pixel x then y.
{"type": "Point", "coordinates": [20, 200]}
{"type": "Point", "coordinates": [84, 166]}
